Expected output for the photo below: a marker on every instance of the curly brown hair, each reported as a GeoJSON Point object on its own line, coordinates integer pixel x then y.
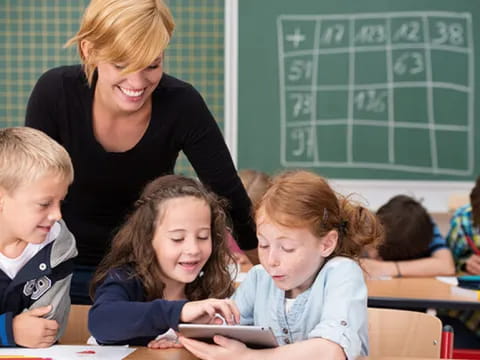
{"type": "Point", "coordinates": [132, 245]}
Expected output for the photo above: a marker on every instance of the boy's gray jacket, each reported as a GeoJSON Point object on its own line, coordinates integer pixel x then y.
{"type": "Point", "coordinates": [43, 280]}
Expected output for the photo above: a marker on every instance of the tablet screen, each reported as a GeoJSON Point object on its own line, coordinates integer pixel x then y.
{"type": "Point", "coordinates": [256, 337]}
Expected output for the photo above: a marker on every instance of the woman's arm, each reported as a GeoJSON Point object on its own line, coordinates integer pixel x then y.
{"type": "Point", "coordinates": [205, 148]}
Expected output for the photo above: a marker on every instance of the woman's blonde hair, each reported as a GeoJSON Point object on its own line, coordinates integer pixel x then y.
{"type": "Point", "coordinates": [132, 245]}
{"type": "Point", "coordinates": [131, 32]}
{"type": "Point", "coordinates": [303, 199]}
{"type": "Point", "coordinates": [27, 154]}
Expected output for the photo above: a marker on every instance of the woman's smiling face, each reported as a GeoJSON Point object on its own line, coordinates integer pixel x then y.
{"type": "Point", "coordinates": [127, 92]}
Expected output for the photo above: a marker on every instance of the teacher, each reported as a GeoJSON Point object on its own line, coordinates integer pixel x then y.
{"type": "Point", "coordinates": [124, 121]}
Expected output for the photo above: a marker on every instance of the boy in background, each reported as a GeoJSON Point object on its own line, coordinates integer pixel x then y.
{"type": "Point", "coordinates": [413, 244]}
{"type": "Point", "coordinates": [464, 235]}
{"type": "Point", "coordinates": [36, 248]}
{"type": "Point", "coordinates": [464, 241]}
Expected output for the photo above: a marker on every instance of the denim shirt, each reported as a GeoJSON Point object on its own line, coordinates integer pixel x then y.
{"type": "Point", "coordinates": [333, 308]}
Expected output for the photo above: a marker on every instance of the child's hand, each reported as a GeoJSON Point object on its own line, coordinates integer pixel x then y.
{"type": "Point", "coordinates": [166, 340]}
{"type": "Point", "coordinates": [30, 329]}
{"type": "Point", "coordinates": [473, 265]}
{"type": "Point", "coordinates": [203, 312]}
{"type": "Point", "coordinates": [163, 344]}
{"type": "Point", "coordinates": [225, 348]}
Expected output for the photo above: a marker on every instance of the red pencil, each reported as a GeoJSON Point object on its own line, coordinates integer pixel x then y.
{"type": "Point", "coordinates": [470, 241]}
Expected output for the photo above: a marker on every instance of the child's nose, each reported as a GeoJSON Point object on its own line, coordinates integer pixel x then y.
{"type": "Point", "coordinates": [55, 214]}
{"type": "Point", "coordinates": [192, 247]}
{"type": "Point", "coordinates": [273, 259]}
{"type": "Point", "coordinates": [138, 79]}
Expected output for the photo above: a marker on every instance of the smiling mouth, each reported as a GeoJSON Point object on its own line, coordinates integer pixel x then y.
{"type": "Point", "coordinates": [44, 228]}
{"type": "Point", "coordinates": [132, 92]}
{"type": "Point", "coordinates": [189, 265]}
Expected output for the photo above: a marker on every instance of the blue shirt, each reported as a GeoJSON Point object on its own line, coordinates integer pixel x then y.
{"type": "Point", "coordinates": [461, 226]}
{"type": "Point", "coordinates": [438, 242]}
{"type": "Point", "coordinates": [333, 308]}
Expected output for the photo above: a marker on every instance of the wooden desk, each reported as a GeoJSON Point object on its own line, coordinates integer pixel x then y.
{"type": "Point", "coordinates": [181, 354]}
{"type": "Point", "coordinates": [416, 293]}
{"type": "Point", "coordinates": [143, 353]}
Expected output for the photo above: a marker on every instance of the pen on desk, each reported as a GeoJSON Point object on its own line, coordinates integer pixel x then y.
{"type": "Point", "coordinates": [470, 242]}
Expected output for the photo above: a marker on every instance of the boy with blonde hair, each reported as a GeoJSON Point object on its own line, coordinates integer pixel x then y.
{"type": "Point", "coordinates": [36, 248]}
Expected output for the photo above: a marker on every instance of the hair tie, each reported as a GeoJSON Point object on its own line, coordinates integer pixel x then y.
{"type": "Point", "coordinates": [145, 199]}
{"type": "Point", "coordinates": [343, 227]}
{"type": "Point", "coordinates": [139, 203]}
{"type": "Point", "coordinates": [142, 201]}
{"type": "Point", "coordinates": [325, 216]}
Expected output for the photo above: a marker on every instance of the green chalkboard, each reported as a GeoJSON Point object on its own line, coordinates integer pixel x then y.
{"type": "Point", "coordinates": [370, 89]}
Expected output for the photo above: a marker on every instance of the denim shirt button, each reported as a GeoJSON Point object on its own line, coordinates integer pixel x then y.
{"type": "Point", "coordinates": [285, 330]}
{"type": "Point", "coordinates": [287, 341]}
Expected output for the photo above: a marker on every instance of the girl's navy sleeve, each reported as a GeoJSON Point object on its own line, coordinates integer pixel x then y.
{"type": "Point", "coordinates": [120, 315]}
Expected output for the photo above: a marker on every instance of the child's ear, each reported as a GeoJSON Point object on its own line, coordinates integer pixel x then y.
{"type": "Point", "coordinates": [329, 243]}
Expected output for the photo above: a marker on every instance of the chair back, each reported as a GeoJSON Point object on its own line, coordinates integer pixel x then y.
{"type": "Point", "coordinates": [76, 331]}
{"type": "Point", "coordinates": [403, 333]}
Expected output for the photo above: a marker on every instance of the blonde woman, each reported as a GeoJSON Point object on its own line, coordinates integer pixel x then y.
{"type": "Point", "coordinates": [124, 122]}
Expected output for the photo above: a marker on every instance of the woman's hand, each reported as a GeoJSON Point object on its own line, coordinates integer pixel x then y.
{"type": "Point", "coordinates": [204, 311]}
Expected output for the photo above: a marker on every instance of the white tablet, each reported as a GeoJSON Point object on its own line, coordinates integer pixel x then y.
{"type": "Point", "coordinates": [256, 337]}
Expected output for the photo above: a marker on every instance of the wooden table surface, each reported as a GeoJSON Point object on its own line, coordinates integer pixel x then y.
{"type": "Point", "coordinates": [181, 354]}
{"type": "Point", "coordinates": [143, 353]}
{"type": "Point", "coordinates": [416, 292]}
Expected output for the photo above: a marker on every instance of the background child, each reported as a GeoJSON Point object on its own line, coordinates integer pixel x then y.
{"type": "Point", "coordinates": [170, 254]}
{"type": "Point", "coordinates": [464, 241]}
{"type": "Point", "coordinates": [36, 248]}
{"type": "Point", "coordinates": [464, 235]}
{"type": "Point", "coordinates": [413, 244]}
{"type": "Point", "coordinates": [309, 289]}
{"type": "Point", "coordinates": [256, 183]}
